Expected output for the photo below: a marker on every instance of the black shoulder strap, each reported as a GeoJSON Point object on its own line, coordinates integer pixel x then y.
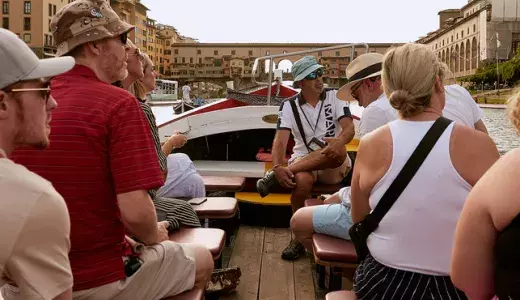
{"type": "Point", "coordinates": [407, 173]}
{"type": "Point", "coordinates": [299, 122]}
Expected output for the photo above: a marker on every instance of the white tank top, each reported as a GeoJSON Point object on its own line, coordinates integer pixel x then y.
{"type": "Point", "coordinates": [417, 232]}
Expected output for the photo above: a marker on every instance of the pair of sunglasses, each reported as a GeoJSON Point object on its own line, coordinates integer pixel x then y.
{"type": "Point", "coordinates": [45, 92]}
{"type": "Point", "coordinates": [353, 92]}
{"type": "Point", "coordinates": [315, 74]}
{"type": "Point", "coordinates": [124, 38]}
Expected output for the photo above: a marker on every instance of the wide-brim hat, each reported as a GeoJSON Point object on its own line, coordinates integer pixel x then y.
{"type": "Point", "coordinates": [364, 66]}
{"type": "Point", "coordinates": [303, 67]}
{"type": "Point", "coordinates": [84, 21]}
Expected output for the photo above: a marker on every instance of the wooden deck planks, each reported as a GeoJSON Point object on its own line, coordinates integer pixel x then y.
{"type": "Point", "coordinates": [277, 275]}
{"type": "Point", "coordinates": [303, 282]}
{"type": "Point", "coordinates": [247, 254]}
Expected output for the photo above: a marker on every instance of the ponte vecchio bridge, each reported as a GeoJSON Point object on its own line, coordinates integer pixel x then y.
{"type": "Point", "coordinates": [221, 62]}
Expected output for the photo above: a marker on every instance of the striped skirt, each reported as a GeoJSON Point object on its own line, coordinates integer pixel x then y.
{"type": "Point", "coordinates": [374, 280]}
{"type": "Point", "coordinates": [177, 212]}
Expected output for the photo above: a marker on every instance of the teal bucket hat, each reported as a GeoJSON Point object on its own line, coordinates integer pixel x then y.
{"type": "Point", "coordinates": [303, 67]}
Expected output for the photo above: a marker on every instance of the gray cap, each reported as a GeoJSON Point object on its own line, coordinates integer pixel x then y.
{"type": "Point", "coordinates": [19, 62]}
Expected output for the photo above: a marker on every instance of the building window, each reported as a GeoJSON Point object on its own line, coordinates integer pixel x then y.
{"type": "Point", "coordinates": [50, 10]}
{"type": "Point", "coordinates": [337, 53]}
{"type": "Point", "coordinates": [215, 52]}
{"type": "Point", "coordinates": [191, 60]}
{"type": "Point", "coordinates": [27, 7]}
{"type": "Point", "coordinates": [233, 52]}
{"type": "Point", "coordinates": [462, 34]}
{"type": "Point", "coordinates": [250, 52]}
{"type": "Point", "coordinates": [27, 24]}
{"type": "Point", "coordinates": [27, 37]}
{"type": "Point", "coordinates": [474, 28]}
{"type": "Point", "coordinates": [468, 30]}
{"type": "Point", "coordinates": [50, 26]}
{"type": "Point", "coordinates": [5, 23]}
{"type": "Point", "coordinates": [200, 61]}
{"type": "Point", "coordinates": [176, 51]}
{"type": "Point", "coordinates": [183, 60]}
{"type": "Point", "coordinates": [5, 7]}
{"type": "Point", "coordinates": [54, 10]}
{"type": "Point", "coordinates": [199, 51]}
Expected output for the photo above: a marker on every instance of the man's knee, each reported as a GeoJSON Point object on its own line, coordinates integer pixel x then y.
{"type": "Point", "coordinates": [304, 181]}
{"type": "Point", "coordinates": [203, 262]}
{"type": "Point", "coordinates": [302, 219]}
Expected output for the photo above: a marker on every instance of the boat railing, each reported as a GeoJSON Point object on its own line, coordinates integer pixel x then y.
{"type": "Point", "coordinates": [273, 56]}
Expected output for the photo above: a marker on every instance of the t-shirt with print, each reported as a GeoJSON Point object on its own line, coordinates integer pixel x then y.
{"type": "Point", "coordinates": [35, 235]}
{"type": "Point", "coordinates": [317, 122]}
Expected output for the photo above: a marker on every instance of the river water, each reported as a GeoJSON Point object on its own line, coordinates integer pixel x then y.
{"type": "Point", "coordinates": [498, 125]}
{"type": "Point", "coordinates": [501, 130]}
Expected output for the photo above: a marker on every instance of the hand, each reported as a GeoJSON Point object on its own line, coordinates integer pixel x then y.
{"type": "Point", "coordinates": [162, 228]}
{"type": "Point", "coordinates": [335, 148]}
{"type": "Point", "coordinates": [178, 140]}
{"type": "Point", "coordinates": [284, 177]}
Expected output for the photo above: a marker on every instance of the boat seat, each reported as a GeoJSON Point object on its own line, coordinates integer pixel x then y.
{"type": "Point", "coordinates": [211, 238]}
{"type": "Point", "coordinates": [217, 208]}
{"type": "Point", "coordinates": [223, 183]}
{"type": "Point", "coordinates": [313, 202]}
{"type": "Point", "coordinates": [195, 293]}
{"type": "Point", "coordinates": [268, 156]}
{"type": "Point", "coordinates": [341, 295]}
{"type": "Point", "coordinates": [333, 252]}
{"type": "Point", "coordinates": [247, 169]}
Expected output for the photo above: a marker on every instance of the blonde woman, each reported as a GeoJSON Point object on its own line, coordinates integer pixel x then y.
{"type": "Point", "coordinates": [410, 251]}
{"type": "Point", "coordinates": [176, 212]}
{"type": "Point", "coordinates": [487, 239]}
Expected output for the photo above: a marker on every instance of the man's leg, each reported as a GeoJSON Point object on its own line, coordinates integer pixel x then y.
{"type": "Point", "coordinates": [316, 161]}
{"type": "Point", "coordinates": [304, 182]}
{"type": "Point", "coordinates": [168, 269]}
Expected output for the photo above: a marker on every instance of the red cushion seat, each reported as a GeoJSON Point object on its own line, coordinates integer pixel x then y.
{"type": "Point", "coordinates": [211, 238]}
{"type": "Point", "coordinates": [217, 208]}
{"type": "Point", "coordinates": [328, 249]}
{"type": "Point", "coordinates": [223, 183]}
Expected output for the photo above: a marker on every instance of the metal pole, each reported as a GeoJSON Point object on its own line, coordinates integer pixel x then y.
{"type": "Point", "coordinates": [269, 79]}
{"type": "Point", "coordinates": [498, 76]}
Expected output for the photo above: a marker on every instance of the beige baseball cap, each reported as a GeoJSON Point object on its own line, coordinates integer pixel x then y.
{"type": "Point", "coordinates": [84, 21]}
{"type": "Point", "coordinates": [19, 62]}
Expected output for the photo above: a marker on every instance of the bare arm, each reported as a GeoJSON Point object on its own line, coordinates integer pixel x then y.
{"type": "Point", "coordinates": [480, 126]}
{"type": "Point", "coordinates": [347, 130]}
{"type": "Point", "coordinates": [138, 216]}
{"type": "Point", "coordinates": [280, 146]}
{"type": "Point", "coordinates": [167, 147]}
{"type": "Point", "coordinates": [490, 207]}
{"type": "Point", "coordinates": [360, 206]}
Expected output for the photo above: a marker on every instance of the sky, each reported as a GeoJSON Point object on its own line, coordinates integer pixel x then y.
{"type": "Point", "coordinates": [305, 21]}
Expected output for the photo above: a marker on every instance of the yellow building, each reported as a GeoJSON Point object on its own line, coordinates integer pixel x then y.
{"type": "Point", "coordinates": [30, 20]}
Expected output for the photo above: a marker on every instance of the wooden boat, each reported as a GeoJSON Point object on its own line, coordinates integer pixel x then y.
{"type": "Point", "coordinates": [233, 137]}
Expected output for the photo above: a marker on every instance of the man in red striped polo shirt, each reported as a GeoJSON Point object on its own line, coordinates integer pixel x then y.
{"type": "Point", "coordinates": [102, 160]}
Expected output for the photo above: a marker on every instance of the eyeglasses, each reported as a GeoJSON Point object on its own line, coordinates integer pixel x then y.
{"type": "Point", "coordinates": [124, 38]}
{"type": "Point", "coordinates": [353, 93]}
{"type": "Point", "coordinates": [315, 74]}
{"type": "Point", "coordinates": [45, 92]}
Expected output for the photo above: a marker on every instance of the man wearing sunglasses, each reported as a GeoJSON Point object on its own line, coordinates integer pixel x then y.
{"type": "Point", "coordinates": [102, 160]}
{"type": "Point", "coordinates": [319, 152]}
{"type": "Point", "coordinates": [34, 221]}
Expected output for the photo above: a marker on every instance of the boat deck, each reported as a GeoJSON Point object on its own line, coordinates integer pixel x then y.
{"type": "Point", "coordinates": [256, 250]}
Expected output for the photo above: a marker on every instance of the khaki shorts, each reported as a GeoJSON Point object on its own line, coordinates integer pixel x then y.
{"type": "Point", "coordinates": [330, 176]}
{"type": "Point", "coordinates": [168, 269]}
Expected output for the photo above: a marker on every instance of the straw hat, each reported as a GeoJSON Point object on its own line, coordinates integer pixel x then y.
{"type": "Point", "coordinates": [363, 67]}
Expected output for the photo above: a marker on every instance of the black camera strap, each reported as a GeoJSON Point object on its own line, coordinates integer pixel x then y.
{"type": "Point", "coordinates": [299, 122]}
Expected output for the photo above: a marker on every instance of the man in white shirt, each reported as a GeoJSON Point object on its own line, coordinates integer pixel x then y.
{"type": "Point", "coordinates": [34, 220]}
{"type": "Point", "coordinates": [186, 93]}
{"type": "Point", "coordinates": [324, 122]}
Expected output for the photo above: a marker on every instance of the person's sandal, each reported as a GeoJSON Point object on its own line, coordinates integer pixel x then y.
{"type": "Point", "coordinates": [224, 281]}
{"type": "Point", "coordinates": [265, 184]}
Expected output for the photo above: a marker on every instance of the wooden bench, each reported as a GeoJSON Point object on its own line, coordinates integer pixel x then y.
{"type": "Point", "coordinates": [341, 295]}
{"type": "Point", "coordinates": [223, 183]}
{"type": "Point", "coordinates": [335, 253]}
{"type": "Point", "coordinates": [223, 209]}
{"type": "Point", "coordinates": [211, 238]}
{"type": "Point", "coordinates": [193, 294]}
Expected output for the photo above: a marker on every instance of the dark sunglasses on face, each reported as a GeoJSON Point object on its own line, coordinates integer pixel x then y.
{"type": "Point", "coordinates": [45, 92]}
{"type": "Point", "coordinates": [353, 93]}
{"type": "Point", "coordinates": [315, 74]}
{"type": "Point", "coordinates": [124, 38]}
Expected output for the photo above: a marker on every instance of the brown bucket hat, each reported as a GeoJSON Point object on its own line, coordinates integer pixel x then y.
{"type": "Point", "coordinates": [84, 21]}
